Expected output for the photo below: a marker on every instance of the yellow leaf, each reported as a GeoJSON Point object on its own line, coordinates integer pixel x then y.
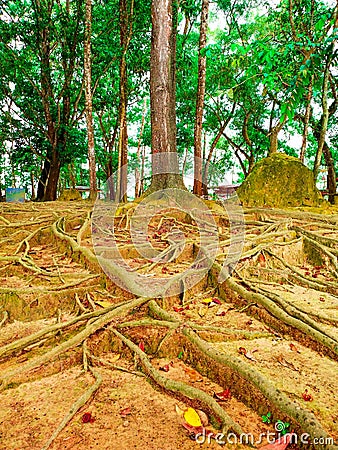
{"type": "Point", "coordinates": [103, 303]}
{"type": "Point", "coordinates": [207, 300]}
{"type": "Point", "coordinates": [192, 418]}
{"type": "Point", "coordinates": [114, 358]}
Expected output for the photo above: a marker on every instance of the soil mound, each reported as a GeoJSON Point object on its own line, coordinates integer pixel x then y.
{"type": "Point", "coordinates": [70, 195]}
{"type": "Point", "coordinates": [279, 181]}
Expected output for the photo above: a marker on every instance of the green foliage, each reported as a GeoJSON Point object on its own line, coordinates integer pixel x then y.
{"type": "Point", "coordinates": [260, 64]}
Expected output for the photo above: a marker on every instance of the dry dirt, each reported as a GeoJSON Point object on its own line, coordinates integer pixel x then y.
{"type": "Point", "coordinates": [44, 282]}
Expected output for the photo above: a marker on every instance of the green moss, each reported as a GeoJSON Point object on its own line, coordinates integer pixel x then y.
{"type": "Point", "coordinates": [279, 181]}
{"type": "Point", "coordinates": [70, 195]}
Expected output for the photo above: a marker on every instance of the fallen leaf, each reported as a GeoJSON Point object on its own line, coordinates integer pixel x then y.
{"type": "Point", "coordinates": [247, 353]}
{"type": "Point", "coordinates": [207, 300]}
{"type": "Point", "coordinates": [179, 411]}
{"type": "Point", "coordinates": [306, 396]}
{"type": "Point", "coordinates": [294, 348]}
{"type": "Point", "coordinates": [216, 300]}
{"type": "Point", "coordinates": [193, 430]}
{"type": "Point", "coordinates": [322, 299]}
{"type": "Point", "coordinates": [87, 418]}
{"type": "Point", "coordinates": [165, 368]}
{"type": "Point", "coordinates": [283, 362]}
{"type": "Point", "coordinates": [103, 303]}
{"type": "Point", "coordinates": [114, 358]}
{"type": "Point", "coordinates": [203, 310]}
{"type": "Point", "coordinates": [250, 355]}
{"type": "Point", "coordinates": [204, 418]}
{"type": "Point", "coordinates": [180, 355]}
{"type": "Point", "coordinates": [192, 418]}
{"type": "Point", "coordinates": [193, 374]}
{"type": "Point", "coordinates": [141, 345]}
{"type": "Point", "coordinates": [224, 395]}
{"type": "Point", "coordinates": [280, 444]}
{"type": "Point", "coordinates": [125, 412]}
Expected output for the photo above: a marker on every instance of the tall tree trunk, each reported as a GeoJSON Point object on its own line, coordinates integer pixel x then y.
{"type": "Point", "coordinates": [43, 179]}
{"type": "Point", "coordinates": [212, 148]}
{"type": "Point", "coordinates": [202, 65]}
{"type": "Point", "coordinates": [165, 168]}
{"type": "Point", "coordinates": [306, 121]}
{"type": "Point", "coordinates": [111, 185]}
{"type": "Point", "coordinates": [89, 107]}
{"type": "Point", "coordinates": [126, 21]}
{"type": "Point", "coordinates": [273, 141]}
{"type": "Point", "coordinates": [53, 178]}
{"type": "Point", "coordinates": [274, 130]}
{"type": "Point", "coordinates": [324, 121]}
{"type": "Point", "coordinates": [331, 173]}
{"type": "Point", "coordinates": [138, 153]}
{"type": "Point", "coordinates": [32, 177]}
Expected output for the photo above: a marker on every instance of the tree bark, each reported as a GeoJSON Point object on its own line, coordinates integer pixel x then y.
{"type": "Point", "coordinates": [202, 65]}
{"type": "Point", "coordinates": [306, 121]}
{"type": "Point", "coordinates": [89, 107]}
{"type": "Point", "coordinates": [165, 168]}
{"type": "Point", "coordinates": [138, 153]}
{"type": "Point", "coordinates": [331, 173]}
{"type": "Point", "coordinates": [324, 120]}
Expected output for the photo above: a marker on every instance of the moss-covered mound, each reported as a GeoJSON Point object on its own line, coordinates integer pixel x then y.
{"type": "Point", "coordinates": [279, 181]}
{"type": "Point", "coordinates": [68, 195]}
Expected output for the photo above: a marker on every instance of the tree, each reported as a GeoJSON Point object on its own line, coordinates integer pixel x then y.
{"type": "Point", "coordinates": [202, 62]}
{"type": "Point", "coordinates": [165, 169]}
{"type": "Point", "coordinates": [89, 105]}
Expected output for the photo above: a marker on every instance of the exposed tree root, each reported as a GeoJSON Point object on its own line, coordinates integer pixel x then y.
{"type": "Point", "coordinates": [76, 406]}
{"type": "Point", "coordinates": [270, 234]}
{"type": "Point", "coordinates": [301, 418]}
{"type": "Point", "coordinates": [185, 392]}
{"type": "Point", "coordinates": [8, 376]}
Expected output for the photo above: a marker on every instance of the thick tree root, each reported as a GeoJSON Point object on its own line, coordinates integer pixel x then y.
{"type": "Point", "coordinates": [278, 312]}
{"type": "Point", "coordinates": [302, 419]}
{"type": "Point", "coordinates": [9, 375]}
{"type": "Point", "coordinates": [76, 406]}
{"type": "Point", "coordinates": [185, 392]}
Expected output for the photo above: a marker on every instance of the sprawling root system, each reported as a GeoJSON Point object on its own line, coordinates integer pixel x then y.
{"type": "Point", "coordinates": [69, 336]}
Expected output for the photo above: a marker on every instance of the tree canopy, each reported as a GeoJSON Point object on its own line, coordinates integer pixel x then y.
{"type": "Point", "coordinates": [249, 79]}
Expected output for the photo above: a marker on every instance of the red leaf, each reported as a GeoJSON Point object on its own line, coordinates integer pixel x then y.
{"type": "Point", "coordinates": [307, 397]}
{"type": "Point", "coordinates": [216, 300]}
{"type": "Point", "coordinates": [242, 350]}
{"type": "Point", "coordinates": [322, 299]}
{"type": "Point", "coordinates": [280, 444]}
{"type": "Point", "coordinates": [224, 395]}
{"type": "Point", "coordinates": [192, 429]}
{"type": "Point", "coordinates": [87, 418]}
{"type": "Point", "coordinates": [294, 348]}
{"type": "Point", "coordinates": [165, 368]}
{"type": "Point", "coordinates": [125, 412]}
{"type": "Point", "coordinates": [141, 345]}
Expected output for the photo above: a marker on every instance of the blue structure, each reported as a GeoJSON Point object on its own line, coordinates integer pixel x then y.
{"type": "Point", "coordinates": [15, 195]}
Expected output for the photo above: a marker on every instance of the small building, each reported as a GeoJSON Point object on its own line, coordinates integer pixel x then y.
{"type": "Point", "coordinates": [225, 191]}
